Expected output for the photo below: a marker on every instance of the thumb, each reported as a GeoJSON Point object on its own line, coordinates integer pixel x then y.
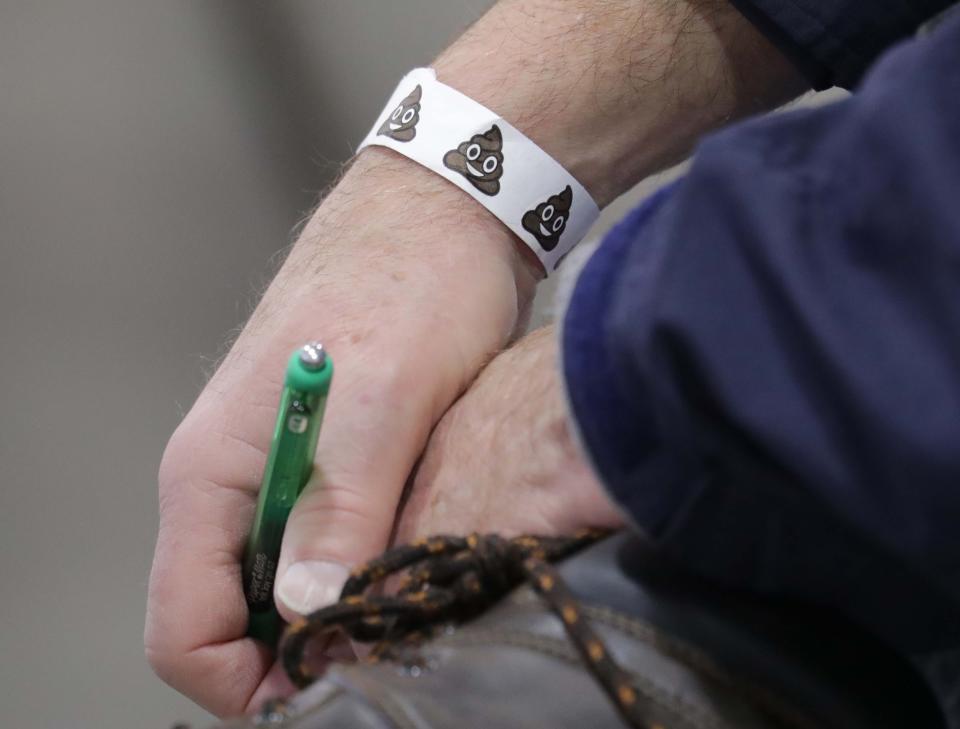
{"type": "Point", "coordinates": [333, 527]}
{"type": "Point", "coordinates": [345, 514]}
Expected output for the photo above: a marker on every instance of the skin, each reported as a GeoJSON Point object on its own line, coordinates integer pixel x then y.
{"type": "Point", "coordinates": [537, 482]}
{"type": "Point", "coordinates": [411, 313]}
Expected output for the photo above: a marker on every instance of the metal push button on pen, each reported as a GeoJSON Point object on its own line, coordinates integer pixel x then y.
{"type": "Point", "coordinates": [302, 404]}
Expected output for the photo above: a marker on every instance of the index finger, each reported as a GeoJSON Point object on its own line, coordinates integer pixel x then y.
{"type": "Point", "coordinates": [196, 612]}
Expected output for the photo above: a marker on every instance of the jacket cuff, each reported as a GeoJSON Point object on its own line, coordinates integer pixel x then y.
{"type": "Point", "coordinates": [616, 428]}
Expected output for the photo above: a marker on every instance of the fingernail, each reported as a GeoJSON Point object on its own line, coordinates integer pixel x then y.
{"type": "Point", "coordinates": [309, 586]}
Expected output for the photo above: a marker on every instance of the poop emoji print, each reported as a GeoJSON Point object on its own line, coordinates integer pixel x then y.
{"type": "Point", "coordinates": [402, 122]}
{"type": "Point", "coordinates": [490, 160]}
{"type": "Point", "coordinates": [480, 160]}
{"type": "Point", "coordinates": [548, 220]}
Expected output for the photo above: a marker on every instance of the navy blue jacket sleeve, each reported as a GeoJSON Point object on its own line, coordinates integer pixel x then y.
{"type": "Point", "coordinates": [833, 42]}
{"type": "Point", "coordinates": [763, 362]}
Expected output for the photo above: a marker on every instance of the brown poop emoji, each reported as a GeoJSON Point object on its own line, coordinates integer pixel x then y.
{"type": "Point", "coordinates": [548, 220]}
{"type": "Point", "coordinates": [480, 160]}
{"type": "Point", "coordinates": [402, 122]}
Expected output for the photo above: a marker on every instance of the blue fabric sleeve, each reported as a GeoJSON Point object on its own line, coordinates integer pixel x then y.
{"type": "Point", "coordinates": [764, 361]}
{"type": "Point", "coordinates": [833, 42]}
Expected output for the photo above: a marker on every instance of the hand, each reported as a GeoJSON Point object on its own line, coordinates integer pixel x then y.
{"type": "Point", "coordinates": [412, 286]}
{"type": "Point", "coordinates": [409, 314]}
{"type": "Point", "coordinates": [503, 460]}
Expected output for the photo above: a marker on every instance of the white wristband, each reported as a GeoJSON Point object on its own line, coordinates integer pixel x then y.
{"type": "Point", "coordinates": [489, 159]}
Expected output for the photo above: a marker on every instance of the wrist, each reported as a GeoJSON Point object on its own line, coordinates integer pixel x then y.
{"type": "Point", "coordinates": [616, 91]}
{"type": "Point", "coordinates": [393, 206]}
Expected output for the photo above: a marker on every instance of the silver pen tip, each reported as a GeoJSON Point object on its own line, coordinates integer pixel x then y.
{"type": "Point", "coordinates": [313, 356]}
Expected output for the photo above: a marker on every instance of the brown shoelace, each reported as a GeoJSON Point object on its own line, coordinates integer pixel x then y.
{"type": "Point", "coordinates": [452, 579]}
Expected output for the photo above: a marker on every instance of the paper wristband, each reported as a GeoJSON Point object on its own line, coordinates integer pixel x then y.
{"type": "Point", "coordinates": [490, 160]}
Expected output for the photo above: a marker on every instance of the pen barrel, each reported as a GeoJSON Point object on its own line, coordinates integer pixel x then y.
{"type": "Point", "coordinates": [289, 464]}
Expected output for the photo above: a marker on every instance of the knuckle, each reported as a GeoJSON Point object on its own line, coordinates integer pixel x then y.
{"type": "Point", "coordinates": [177, 454]}
{"type": "Point", "coordinates": [163, 651]}
{"type": "Point", "coordinates": [162, 656]}
{"type": "Point", "coordinates": [159, 661]}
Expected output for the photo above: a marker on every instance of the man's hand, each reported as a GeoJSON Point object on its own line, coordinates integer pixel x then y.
{"type": "Point", "coordinates": [503, 459]}
{"type": "Point", "coordinates": [412, 286]}
{"type": "Point", "coordinates": [409, 310]}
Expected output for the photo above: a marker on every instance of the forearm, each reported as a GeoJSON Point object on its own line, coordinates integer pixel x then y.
{"type": "Point", "coordinates": [613, 90]}
{"type": "Point", "coordinates": [617, 90]}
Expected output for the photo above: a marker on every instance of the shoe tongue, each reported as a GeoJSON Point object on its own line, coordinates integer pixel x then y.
{"type": "Point", "coordinates": [817, 661]}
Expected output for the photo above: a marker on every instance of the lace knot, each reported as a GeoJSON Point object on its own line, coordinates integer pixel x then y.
{"type": "Point", "coordinates": [446, 579]}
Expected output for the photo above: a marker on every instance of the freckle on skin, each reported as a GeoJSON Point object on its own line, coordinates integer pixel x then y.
{"type": "Point", "coordinates": [397, 276]}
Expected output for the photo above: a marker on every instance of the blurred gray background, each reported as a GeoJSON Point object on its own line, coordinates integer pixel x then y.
{"type": "Point", "coordinates": [154, 158]}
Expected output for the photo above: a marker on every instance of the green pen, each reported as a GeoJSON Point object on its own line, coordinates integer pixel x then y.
{"type": "Point", "coordinates": [302, 403]}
